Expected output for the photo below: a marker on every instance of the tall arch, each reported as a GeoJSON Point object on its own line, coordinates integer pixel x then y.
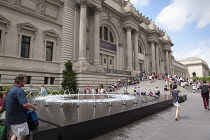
{"type": "Point", "coordinates": [117, 35]}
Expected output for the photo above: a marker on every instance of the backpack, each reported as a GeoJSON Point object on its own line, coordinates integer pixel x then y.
{"type": "Point", "coordinates": [32, 119]}
{"type": "Point", "coordinates": [205, 89]}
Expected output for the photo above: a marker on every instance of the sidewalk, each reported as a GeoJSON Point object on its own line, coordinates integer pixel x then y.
{"type": "Point", "coordinates": [194, 124]}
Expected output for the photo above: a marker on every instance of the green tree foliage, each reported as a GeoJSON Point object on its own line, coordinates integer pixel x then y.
{"type": "Point", "coordinates": [69, 80]}
{"type": "Point", "coordinates": [203, 78]}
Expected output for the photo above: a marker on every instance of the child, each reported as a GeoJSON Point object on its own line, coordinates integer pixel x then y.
{"type": "Point", "coordinates": [157, 91]}
{"type": "Point", "coordinates": [165, 88]}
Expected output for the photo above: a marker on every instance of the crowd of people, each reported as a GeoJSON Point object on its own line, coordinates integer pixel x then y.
{"type": "Point", "coordinates": [15, 103]}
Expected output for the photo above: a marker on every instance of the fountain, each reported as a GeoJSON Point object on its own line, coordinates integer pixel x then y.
{"type": "Point", "coordinates": [76, 114]}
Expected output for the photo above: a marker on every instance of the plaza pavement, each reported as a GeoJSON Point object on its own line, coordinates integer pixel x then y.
{"type": "Point", "coordinates": [194, 123]}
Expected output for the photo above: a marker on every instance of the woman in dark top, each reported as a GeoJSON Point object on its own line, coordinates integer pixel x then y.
{"type": "Point", "coordinates": [175, 93]}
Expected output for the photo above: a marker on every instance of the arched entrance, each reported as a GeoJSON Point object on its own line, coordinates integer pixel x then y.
{"type": "Point", "coordinates": [194, 74]}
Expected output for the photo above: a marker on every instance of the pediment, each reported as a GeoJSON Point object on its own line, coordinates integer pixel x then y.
{"type": "Point", "coordinates": [27, 26]}
{"type": "Point", "coordinates": [50, 33]}
{"type": "Point", "coordinates": [4, 20]}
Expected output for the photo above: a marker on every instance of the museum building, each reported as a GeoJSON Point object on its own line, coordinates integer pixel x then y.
{"type": "Point", "coordinates": [106, 40]}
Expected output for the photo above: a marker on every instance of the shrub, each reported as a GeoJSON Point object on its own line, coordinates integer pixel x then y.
{"type": "Point", "coordinates": [202, 78]}
{"type": "Point", "coordinates": [69, 80]}
{"type": "Point", "coordinates": [5, 88]}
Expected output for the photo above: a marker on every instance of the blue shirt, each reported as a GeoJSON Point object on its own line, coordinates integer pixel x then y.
{"type": "Point", "coordinates": [175, 94]}
{"type": "Point", "coordinates": [15, 112]}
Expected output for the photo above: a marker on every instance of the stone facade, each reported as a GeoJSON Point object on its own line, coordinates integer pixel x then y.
{"type": "Point", "coordinates": [105, 39]}
{"type": "Point", "coordinates": [196, 66]}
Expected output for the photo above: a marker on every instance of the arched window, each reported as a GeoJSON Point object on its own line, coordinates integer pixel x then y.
{"type": "Point", "coordinates": [106, 34]}
{"type": "Point", "coordinates": [140, 49]}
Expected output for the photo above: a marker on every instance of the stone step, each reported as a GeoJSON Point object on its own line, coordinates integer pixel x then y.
{"type": "Point", "coordinates": [147, 86]}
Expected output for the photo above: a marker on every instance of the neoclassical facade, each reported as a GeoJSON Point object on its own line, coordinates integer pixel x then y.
{"type": "Point", "coordinates": [104, 39]}
{"type": "Point", "coordinates": [196, 66]}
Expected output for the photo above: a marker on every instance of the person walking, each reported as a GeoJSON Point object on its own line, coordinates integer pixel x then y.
{"type": "Point", "coordinates": [16, 109]}
{"type": "Point", "coordinates": [175, 94]}
{"type": "Point", "coordinates": [204, 89]}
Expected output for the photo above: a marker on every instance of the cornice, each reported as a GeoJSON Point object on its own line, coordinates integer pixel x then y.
{"type": "Point", "coordinates": [130, 14]}
{"type": "Point", "coordinates": [28, 12]}
{"type": "Point", "coordinates": [143, 30]}
{"type": "Point", "coordinates": [27, 26]}
{"type": "Point", "coordinates": [4, 20]}
{"type": "Point", "coordinates": [113, 11]}
{"type": "Point", "coordinates": [50, 33]}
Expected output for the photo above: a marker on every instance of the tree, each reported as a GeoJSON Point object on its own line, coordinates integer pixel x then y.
{"type": "Point", "coordinates": [69, 80]}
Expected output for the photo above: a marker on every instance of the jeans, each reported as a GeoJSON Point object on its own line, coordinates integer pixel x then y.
{"type": "Point", "coordinates": [205, 100]}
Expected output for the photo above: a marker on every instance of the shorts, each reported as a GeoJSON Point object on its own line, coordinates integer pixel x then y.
{"type": "Point", "coordinates": [20, 130]}
{"type": "Point", "coordinates": [177, 104]}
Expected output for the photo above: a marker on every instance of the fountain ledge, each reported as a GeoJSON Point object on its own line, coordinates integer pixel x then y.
{"type": "Point", "coordinates": [92, 128]}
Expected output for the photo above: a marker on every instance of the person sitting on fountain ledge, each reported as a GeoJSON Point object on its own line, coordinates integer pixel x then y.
{"type": "Point", "coordinates": [88, 89]}
{"type": "Point", "coordinates": [157, 91]}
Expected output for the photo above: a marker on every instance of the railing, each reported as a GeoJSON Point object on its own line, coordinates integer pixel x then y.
{"type": "Point", "coordinates": [121, 72]}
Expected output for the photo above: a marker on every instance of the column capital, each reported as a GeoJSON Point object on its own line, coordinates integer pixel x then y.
{"type": "Point", "coordinates": [128, 28]}
{"type": "Point", "coordinates": [152, 42]}
{"type": "Point", "coordinates": [97, 9]}
{"type": "Point", "coordinates": [137, 32]}
{"type": "Point", "coordinates": [83, 2]}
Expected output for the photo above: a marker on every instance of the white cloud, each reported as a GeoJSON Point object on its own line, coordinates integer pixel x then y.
{"type": "Point", "coordinates": [201, 50]}
{"type": "Point", "coordinates": [181, 12]}
{"type": "Point", "coordinates": [140, 2]}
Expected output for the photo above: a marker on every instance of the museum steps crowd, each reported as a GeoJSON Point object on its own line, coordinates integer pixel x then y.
{"type": "Point", "coordinates": [189, 84]}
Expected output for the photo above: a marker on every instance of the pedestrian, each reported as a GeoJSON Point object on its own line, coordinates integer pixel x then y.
{"type": "Point", "coordinates": [16, 109]}
{"type": "Point", "coordinates": [175, 94]}
{"type": "Point", "coordinates": [204, 89]}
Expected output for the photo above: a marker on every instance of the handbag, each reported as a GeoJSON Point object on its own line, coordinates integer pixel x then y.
{"type": "Point", "coordinates": [180, 99]}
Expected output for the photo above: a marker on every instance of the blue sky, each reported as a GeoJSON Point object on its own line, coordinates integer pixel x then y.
{"type": "Point", "coordinates": [187, 22]}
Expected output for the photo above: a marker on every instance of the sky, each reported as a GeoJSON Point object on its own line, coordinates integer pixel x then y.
{"type": "Point", "coordinates": [187, 22]}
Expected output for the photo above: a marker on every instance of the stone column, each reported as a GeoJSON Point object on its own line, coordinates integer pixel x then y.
{"type": "Point", "coordinates": [146, 63]}
{"type": "Point", "coordinates": [167, 62]}
{"type": "Point", "coordinates": [129, 47]}
{"type": "Point", "coordinates": [136, 51]}
{"type": "Point", "coordinates": [96, 36]}
{"type": "Point", "coordinates": [153, 56]}
{"type": "Point", "coordinates": [82, 31]}
{"type": "Point", "coordinates": [157, 60]}
{"type": "Point", "coordinates": [170, 62]}
{"type": "Point", "coordinates": [119, 55]}
{"type": "Point", "coordinates": [115, 63]}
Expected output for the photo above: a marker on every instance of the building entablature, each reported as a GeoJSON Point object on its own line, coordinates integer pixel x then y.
{"type": "Point", "coordinates": [166, 48]}
{"type": "Point", "coordinates": [111, 11]}
{"type": "Point", "coordinates": [134, 17]}
{"type": "Point", "coordinates": [37, 10]}
{"type": "Point", "coordinates": [201, 64]}
{"type": "Point", "coordinates": [4, 21]}
{"type": "Point", "coordinates": [90, 3]}
{"type": "Point", "coordinates": [179, 65]}
{"type": "Point", "coordinates": [152, 38]}
{"type": "Point", "coordinates": [130, 26]}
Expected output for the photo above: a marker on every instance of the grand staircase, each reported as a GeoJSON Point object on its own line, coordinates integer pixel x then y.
{"type": "Point", "coordinates": [147, 86]}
